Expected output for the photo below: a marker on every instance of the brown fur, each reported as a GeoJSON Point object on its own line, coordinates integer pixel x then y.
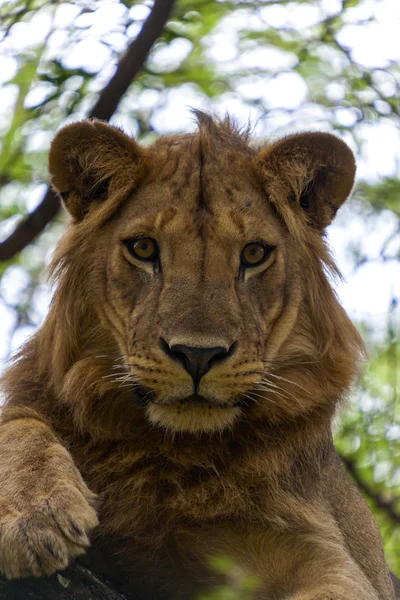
{"type": "Point", "coordinates": [250, 473]}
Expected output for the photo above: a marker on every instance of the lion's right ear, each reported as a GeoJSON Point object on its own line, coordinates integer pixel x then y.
{"type": "Point", "coordinates": [89, 157]}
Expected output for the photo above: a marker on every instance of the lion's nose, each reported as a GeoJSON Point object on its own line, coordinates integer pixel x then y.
{"type": "Point", "coordinates": [196, 361]}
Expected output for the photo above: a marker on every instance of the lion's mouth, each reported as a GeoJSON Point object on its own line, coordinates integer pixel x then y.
{"type": "Point", "coordinates": [146, 397]}
{"type": "Point", "coordinates": [197, 399]}
{"type": "Point", "coordinates": [193, 414]}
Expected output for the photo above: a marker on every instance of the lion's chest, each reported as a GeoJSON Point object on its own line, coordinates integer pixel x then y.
{"type": "Point", "coordinates": [163, 520]}
{"type": "Point", "coordinates": [180, 566]}
{"type": "Point", "coordinates": [142, 491]}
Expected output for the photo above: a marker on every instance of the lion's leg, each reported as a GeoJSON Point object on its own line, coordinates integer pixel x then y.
{"type": "Point", "coordinates": [46, 510]}
{"type": "Point", "coordinates": [332, 575]}
{"type": "Point", "coordinates": [332, 593]}
{"type": "Point", "coordinates": [311, 562]}
{"type": "Point", "coordinates": [339, 588]}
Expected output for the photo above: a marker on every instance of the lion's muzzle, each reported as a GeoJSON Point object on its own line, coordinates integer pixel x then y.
{"type": "Point", "coordinates": [197, 361]}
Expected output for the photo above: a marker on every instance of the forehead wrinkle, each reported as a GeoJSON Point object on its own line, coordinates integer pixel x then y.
{"type": "Point", "coordinates": [165, 217]}
{"type": "Point", "coordinates": [221, 178]}
{"type": "Point", "coordinates": [202, 236]}
{"type": "Point", "coordinates": [203, 205]}
{"type": "Point", "coordinates": [237, 220]}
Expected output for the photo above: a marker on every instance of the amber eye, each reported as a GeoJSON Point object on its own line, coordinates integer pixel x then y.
{"type": "Point", "coordinates": [143, 248]}
{"type": "Point", "coordinates": [255, 253]}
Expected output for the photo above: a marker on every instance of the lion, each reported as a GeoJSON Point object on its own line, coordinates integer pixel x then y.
{"type": "Point", "coordinates": [177, 402]}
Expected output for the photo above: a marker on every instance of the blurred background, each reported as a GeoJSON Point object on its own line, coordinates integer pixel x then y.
{"type": "Point", "coordinates": [328, 65]}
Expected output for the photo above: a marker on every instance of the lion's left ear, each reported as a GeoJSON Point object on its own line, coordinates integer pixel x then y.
{"type": "Point", "coordinates": [313, 172]}
{"type": "Point", "coordinates": [87, 160]}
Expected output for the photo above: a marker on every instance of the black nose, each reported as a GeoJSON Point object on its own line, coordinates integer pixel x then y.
{"type": "Point", "coordinates": [196, 361]}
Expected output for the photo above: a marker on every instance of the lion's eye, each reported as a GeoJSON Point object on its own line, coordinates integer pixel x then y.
{"type": "Point", "coordinates": [143, 248]}
{"type": "Point", "coordinates": [255, 253]}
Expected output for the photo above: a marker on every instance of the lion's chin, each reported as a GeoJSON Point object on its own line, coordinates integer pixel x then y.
{"type": "Point", "coordinates": [192, 418]}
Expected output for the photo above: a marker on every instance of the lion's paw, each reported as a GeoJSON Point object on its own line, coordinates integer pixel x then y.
{"type": "Point", "coordinates": [44, 539]}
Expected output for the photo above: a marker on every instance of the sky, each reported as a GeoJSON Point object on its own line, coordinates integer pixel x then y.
{"type": "Point", "coordinates": [367, 292]}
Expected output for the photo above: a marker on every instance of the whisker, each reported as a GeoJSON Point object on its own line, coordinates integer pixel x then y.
{"type": "Point", "coordinates": [271, 385]}
{"type": "Point", "coordinates": [256, 396]}
{"type": "Point", "coordinates": [274, 391]}
{"type": "Point", "coordinates": [248, 397]}
{"type": "Point", "coordinates": [268, 374]}
{"type": "Point", "coordinates": [288, 395]}
{"type": "Point", "coordinates": [291, 361]}
{"type": "Point", "coordinates": [146, 395]}
{"type": "Point", "coordinates": [289, 381]}
{"type": "Point", "coordinates": [125, 374]}
{"type": "Point", "coordinates": [268, 399]}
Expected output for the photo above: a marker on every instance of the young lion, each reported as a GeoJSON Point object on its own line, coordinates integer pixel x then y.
{"type": "Point", "coordinates": [177, 402]}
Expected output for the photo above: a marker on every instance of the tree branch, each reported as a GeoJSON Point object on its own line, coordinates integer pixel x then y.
{"type": "Point", "coordinates": [388, 506]}
{"type": "Point", "coordinates": [128, 67]}
{"type": "Point", "coordinates": [132, 61]}
{"type": "Point", "coordinates": [76, 583]}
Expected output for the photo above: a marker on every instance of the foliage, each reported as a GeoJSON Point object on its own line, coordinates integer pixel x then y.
{"type": "Point", "coordinates": [237, 585]}
{"type": "Point", "coordinates": [286, 64]}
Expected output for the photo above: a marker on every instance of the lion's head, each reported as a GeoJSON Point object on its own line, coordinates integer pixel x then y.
{"type": "Point", "coordinates": [193, 285]}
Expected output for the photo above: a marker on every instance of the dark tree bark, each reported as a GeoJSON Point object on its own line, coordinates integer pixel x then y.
{"type": "Point", "coordinates": [75, 583]}
{"type": "Point", "coordinates": [387, 506]}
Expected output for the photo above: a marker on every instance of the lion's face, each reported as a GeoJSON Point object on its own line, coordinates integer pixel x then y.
{"type": "Point", "coordinates": [200, 278]}
{"type": "Point", "coordinates": [195, 315]}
